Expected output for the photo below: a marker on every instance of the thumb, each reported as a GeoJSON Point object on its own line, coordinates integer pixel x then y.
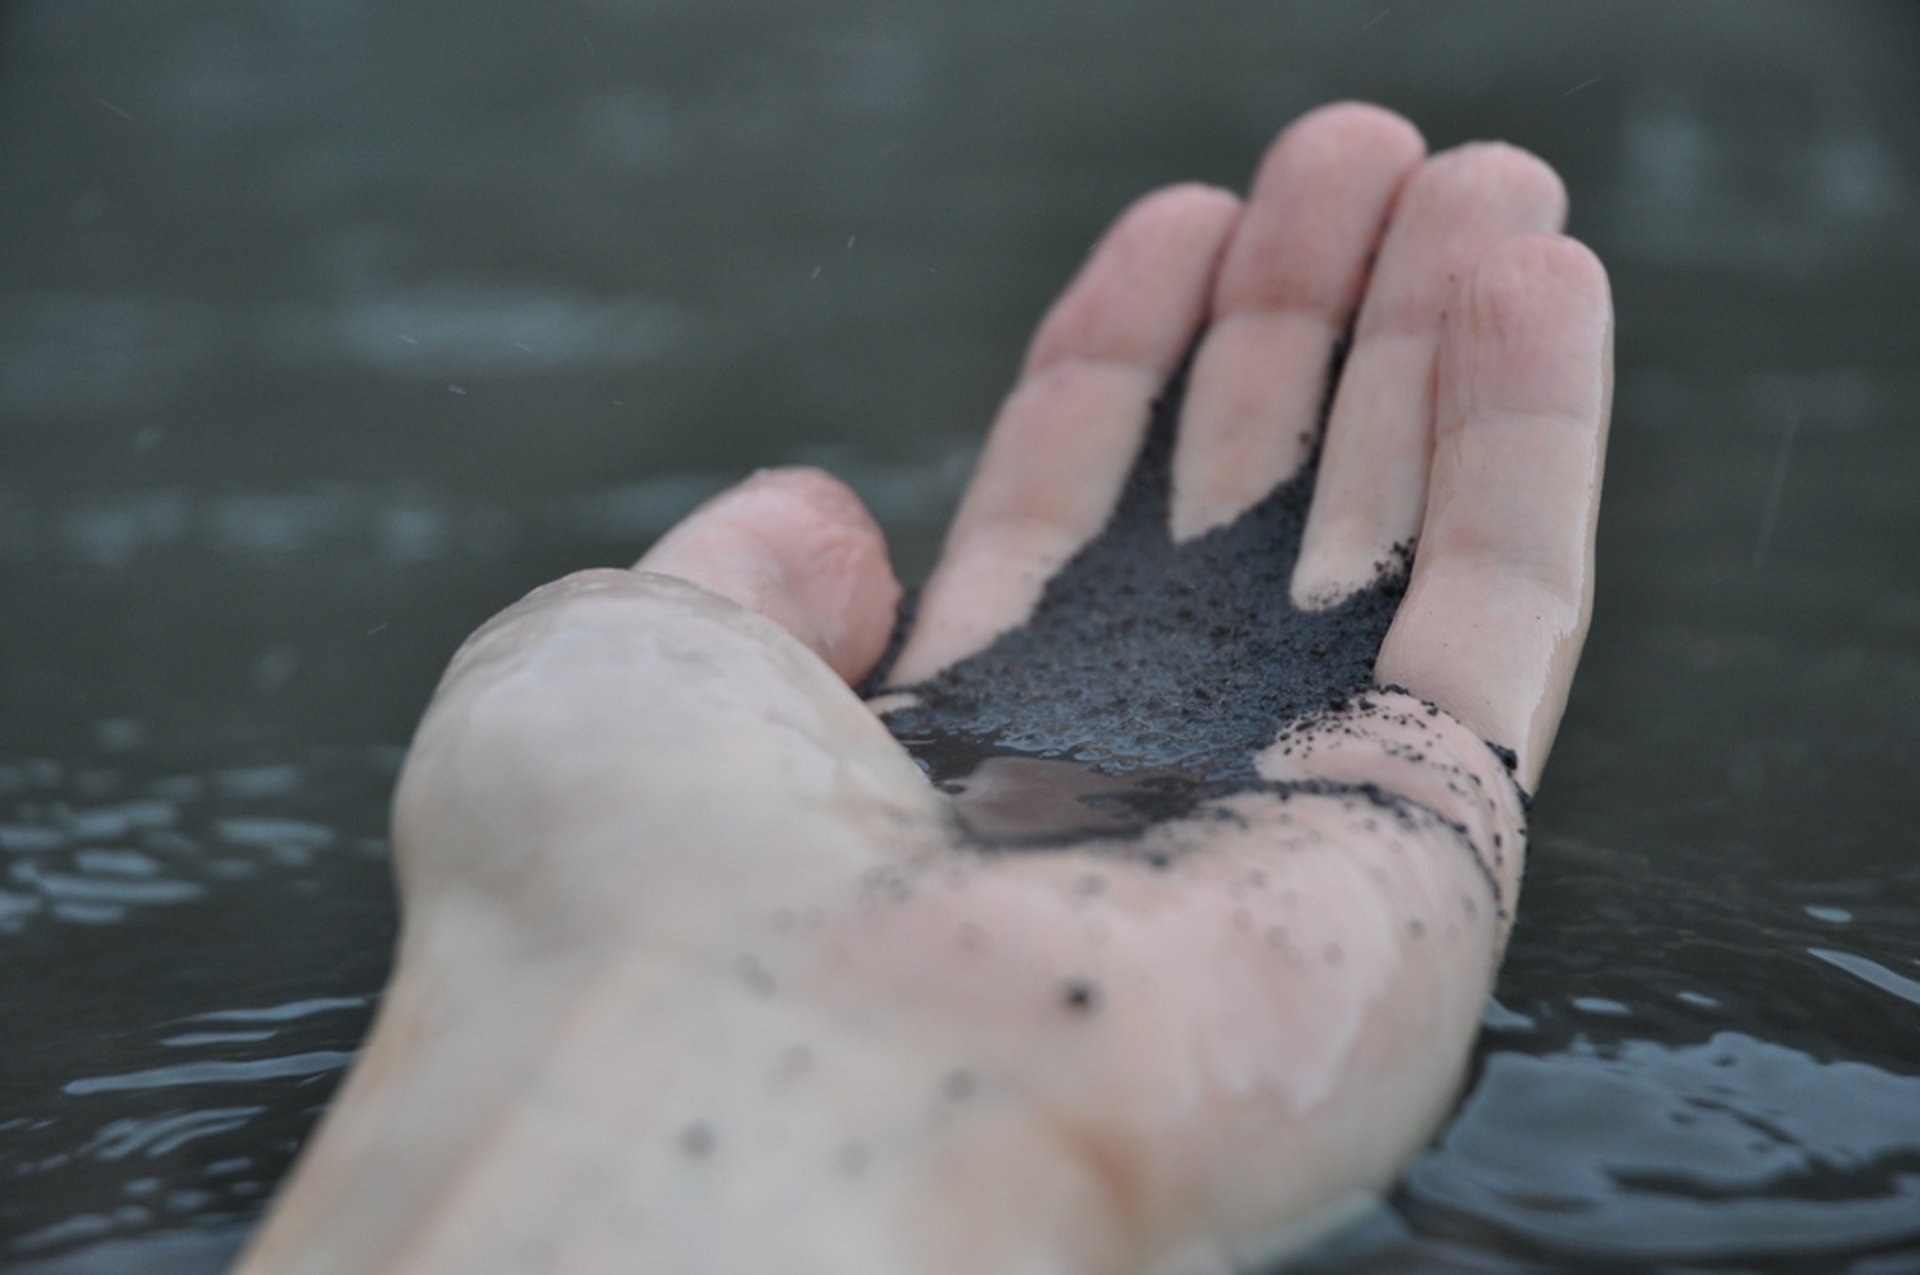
{"type": "Point", "coordinates": [798, 547]}
{"type": "Point", "coordinates": [616, 722]}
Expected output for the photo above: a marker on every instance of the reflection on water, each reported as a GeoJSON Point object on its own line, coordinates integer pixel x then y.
{"type": "Point", "coordinates": [325, 331]}
{"type": "Point", "coordinates": [140, 913]}
{"type": "Point", "coordinates": [1730, 1146]}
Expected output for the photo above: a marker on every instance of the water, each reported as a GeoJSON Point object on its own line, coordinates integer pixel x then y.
{"type": "Point", "coordinates": [326, 331]}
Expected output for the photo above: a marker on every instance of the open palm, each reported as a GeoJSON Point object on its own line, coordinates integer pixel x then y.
{"type": "Point", "coordinates": [1178, 932]}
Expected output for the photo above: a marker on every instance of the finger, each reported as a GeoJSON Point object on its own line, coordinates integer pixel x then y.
{"type": "Point", "coordinates": [798, 547]}
{"type": "Point", "coordinates": [1066, 437]}
{"type": "Point", "coordinates": [1288, 288]}
{"type": "Point", "coordinates": [1372, 484]}
{"type": "Point", "coordinates": [1395, 743]}
{"type": "Point", "coordinates": [1497, 608]}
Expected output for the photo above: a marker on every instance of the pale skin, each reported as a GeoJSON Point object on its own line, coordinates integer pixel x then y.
{"type": "Point", "coordinates": [696, 974]}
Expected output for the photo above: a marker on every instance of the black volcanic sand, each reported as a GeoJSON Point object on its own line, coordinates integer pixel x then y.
{"type": "Point", "coordinates": [1151, 674]}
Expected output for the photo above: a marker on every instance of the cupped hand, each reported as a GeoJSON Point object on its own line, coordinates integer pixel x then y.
{"type": "Point", "coordinates": [1247, 642]}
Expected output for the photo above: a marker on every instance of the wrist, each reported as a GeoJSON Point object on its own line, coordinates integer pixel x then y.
{"type": "Point", "coordinates": [615, 1118]}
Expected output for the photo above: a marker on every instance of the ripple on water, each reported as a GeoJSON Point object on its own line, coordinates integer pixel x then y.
{"type": "Point", "coordinates": [1872, 973]}
{"type": "Point", "coordinates": [214, 1072]}
{"type": "Point", "coordinates": [163, 1134]}
{"type": "Point", "coordinates": [1732, 1146]}
{"type": "Point", "coordinates": [221, 936]}
{"type": "Point", "coordinates": [1651, 1089]}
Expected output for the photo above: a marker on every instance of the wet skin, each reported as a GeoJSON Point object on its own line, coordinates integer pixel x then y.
{"type": "Point", "coordinates": [1187, 936]}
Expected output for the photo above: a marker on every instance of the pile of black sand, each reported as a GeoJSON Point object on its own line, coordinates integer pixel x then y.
{"type": "Point", "coordinates": [1150, 674]}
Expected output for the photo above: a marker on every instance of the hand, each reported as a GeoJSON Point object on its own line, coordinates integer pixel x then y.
{"type": "Point", "coordinates": [700, 972]}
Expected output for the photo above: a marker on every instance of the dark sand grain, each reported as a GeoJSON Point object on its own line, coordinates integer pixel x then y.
{"type": "Point", "coordinates": [1151, 674]}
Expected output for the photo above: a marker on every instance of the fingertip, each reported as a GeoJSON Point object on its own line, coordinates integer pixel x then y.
{"type": "Point", "coordinates": [797, 545]}
{"type": "Point", "coordinates": [1201, 202]}
{"type": "Point", "coordinates": [1520, 269]}
{"type": "Point", "coordinates": [1511, 174]}
{"type": "Point", "coordinates": [1189, 198]}
{"type": "Point", "coordinates": [1166, 245]}
{"type": "Point", "coordinates": [1355, 125]}
{"type": "Point", "coordinates": [1530, 332]}
{"type": "Point", "coordinates": [806, 493]}
{"type": "Point", "coordinates": [836, 565]}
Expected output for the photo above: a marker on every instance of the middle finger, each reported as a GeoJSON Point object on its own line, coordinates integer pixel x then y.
{"type": "Point", "coordinates": [1371, 490]}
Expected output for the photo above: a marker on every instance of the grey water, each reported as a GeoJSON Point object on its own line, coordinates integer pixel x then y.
{"type": "Point", "coordinates": [327, 330]}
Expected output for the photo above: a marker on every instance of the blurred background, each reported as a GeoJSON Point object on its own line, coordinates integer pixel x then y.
{"type": "Point", "coordinates": [328, 329]}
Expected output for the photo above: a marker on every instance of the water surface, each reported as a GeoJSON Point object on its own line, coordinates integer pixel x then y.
{"type": "Point", "coordinates": [325, 331]}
